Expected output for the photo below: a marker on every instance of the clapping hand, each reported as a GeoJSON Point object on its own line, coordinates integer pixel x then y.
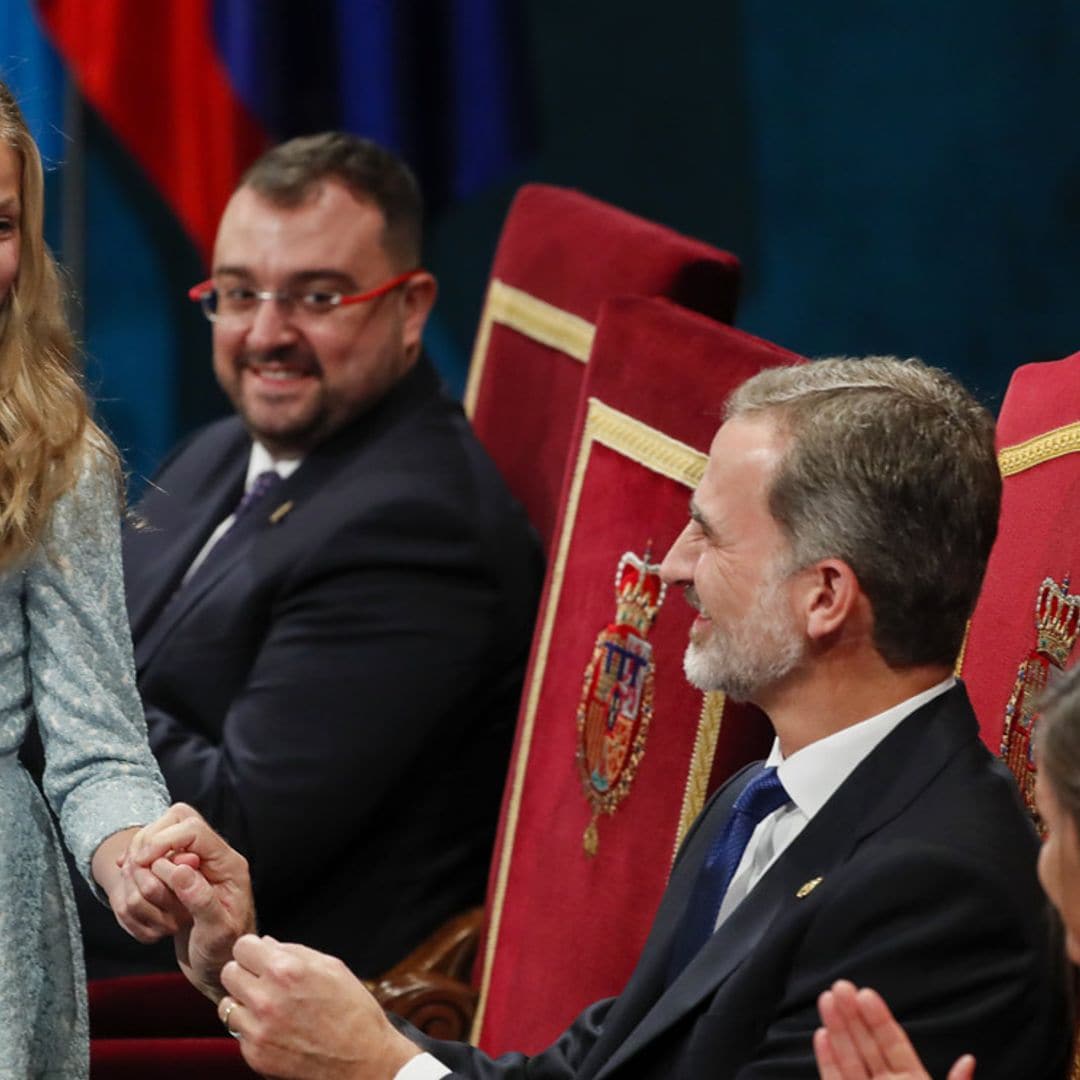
{"type": "Point", "coordinates": [861, 1040]}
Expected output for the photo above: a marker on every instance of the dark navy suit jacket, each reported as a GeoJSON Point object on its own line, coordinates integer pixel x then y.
{"type": "Point", "coordinates": [337, 695]}
{"type": "Point", "coordinates": [927, 892]}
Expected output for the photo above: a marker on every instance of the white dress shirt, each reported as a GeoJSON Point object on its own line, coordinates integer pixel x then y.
{"type": "Point", "coordinates": [259, 461]}
{"type": "Point", "coordinates": [422, 1067]}
{"type": "Point", "coordinates": [810, 777]}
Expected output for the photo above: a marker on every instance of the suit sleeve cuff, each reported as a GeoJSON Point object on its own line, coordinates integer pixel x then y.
{"type": "Point", "coordinates": [422, 1067]}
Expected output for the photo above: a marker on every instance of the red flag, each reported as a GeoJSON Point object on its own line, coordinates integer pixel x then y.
{"type": "Point", "coordinates": [151, 70]}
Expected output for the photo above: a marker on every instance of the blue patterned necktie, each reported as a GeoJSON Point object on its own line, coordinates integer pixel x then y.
{"type": "Point", "coordinates": [764, 794]}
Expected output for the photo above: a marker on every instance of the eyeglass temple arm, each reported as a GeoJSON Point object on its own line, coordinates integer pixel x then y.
{"type": "Point", "coordinates": [198, 292]}
{"type": "Point", "coordinates": [380, 290]}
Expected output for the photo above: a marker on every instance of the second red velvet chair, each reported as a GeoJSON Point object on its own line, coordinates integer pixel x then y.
{"type": "Point", "coordinates": [615, 752]}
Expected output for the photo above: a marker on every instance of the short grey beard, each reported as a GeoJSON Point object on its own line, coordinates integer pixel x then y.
{"type": "Point", "coordinates": [753, 655]}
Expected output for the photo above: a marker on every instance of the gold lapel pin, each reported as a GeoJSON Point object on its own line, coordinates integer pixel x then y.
{"type": "Point", "coordinates": [808, 888]}
{"type": "Point", "coordinates": [281, 511]}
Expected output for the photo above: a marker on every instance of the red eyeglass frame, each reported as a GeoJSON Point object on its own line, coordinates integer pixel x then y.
{"type": "Point", "coordinates": [198, 292]}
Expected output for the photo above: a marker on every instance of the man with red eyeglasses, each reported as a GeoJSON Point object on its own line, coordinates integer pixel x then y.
{"type": "Point", "coordinates": [331, 593]}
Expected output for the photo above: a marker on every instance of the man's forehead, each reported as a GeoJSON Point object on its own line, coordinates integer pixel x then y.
{"type": "Point", "coordinates": [326, 190]}
{"type": "Point", "coordinates": [328, 230]}
{"type": "Point", "coordinates": [742, 457]}
{"type": "Point", "coordinates": [329, 199]}
{"type": "Point", "coordinates": [753, 439]}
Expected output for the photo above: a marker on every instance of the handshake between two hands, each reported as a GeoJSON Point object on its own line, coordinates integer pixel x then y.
{"type": "Point", "coordinates": [176, 877]}
{"type": "Point", "coordinates": [302, 1015]}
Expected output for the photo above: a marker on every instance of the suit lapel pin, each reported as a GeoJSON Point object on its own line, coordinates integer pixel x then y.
{"type": "Point", "coordinates": [280, 512]}
{"type": "Point", "coordinates": [808, 888]}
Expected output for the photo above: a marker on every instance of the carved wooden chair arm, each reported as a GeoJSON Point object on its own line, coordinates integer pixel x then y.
{"type": "Point", "coordinates": [439, 1006]}
{"type": "Point", "coordinates": [449, 951]}
{"type": "Point", "coordinates": [431, 987]}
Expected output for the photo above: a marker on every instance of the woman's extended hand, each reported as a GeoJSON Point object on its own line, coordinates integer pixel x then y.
{"type": "Point", "coordinates": [143, 905]}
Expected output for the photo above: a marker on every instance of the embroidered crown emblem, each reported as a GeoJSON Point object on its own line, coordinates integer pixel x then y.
{"type": "Point", "coordinates": [639, 592]}
{"type": "Point", "coordinates": [1057, 618]}
{"type": "Point", "coordinates": [1057, 626]}
{"type": "Point", "coordinates": [615, 710]}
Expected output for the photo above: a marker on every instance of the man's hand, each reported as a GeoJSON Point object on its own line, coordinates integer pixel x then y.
{"type": "Point", "coordinates": [216, 896]}
{"type": "Point", "coordinates": [143, 906]}
{"type": "Point", "coordinates": [302, 1015]}
{"type": "Point", "coordinates": [861, 1040]}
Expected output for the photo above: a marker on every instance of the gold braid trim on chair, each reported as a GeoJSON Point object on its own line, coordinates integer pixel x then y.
{"type": "Point", "coordinates": [959, 666]}
{"type": "Point", "coordinates": [1040, 448]}
{"type": "Point", "coordinates": [532, 317]}
{"type": "Point", "coordinates": [697, 781]}
{"type": "Point", "coordinates": [653, 450]}
{"type": "Point", "coordinates": [640, 443]}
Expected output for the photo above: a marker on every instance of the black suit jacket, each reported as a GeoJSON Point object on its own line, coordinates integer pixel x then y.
{"type": "Point", "coordinates": [927, 892]}
{"type": "Point", "coordinates": [338, 694]}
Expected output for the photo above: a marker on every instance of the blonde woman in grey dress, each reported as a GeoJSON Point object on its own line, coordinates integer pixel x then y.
{"type": "Point", "coordinates": [65, 655]}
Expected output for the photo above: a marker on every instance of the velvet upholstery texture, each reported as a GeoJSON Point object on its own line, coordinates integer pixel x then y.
{"type": "Point", "coordinates": [560, 255]}
{"type": "Point", "coordinates": [149, 1007]}
{"type": "Point", "coordinates": [167, 1059]}
{"type": "Point", "coordinates": [565, 927]}
{"type": "Point", "coordinates": [1038, 437]}
{"type": "Point", "coordinates": [158, 1025]}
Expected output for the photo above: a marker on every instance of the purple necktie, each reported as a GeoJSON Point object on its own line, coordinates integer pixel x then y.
{"type": "Point", "coordinates": [764, 794]}
{"type": "Point", "coordinates": [262, 489]}
{"type": "Point", "coordinates": [261, 486]}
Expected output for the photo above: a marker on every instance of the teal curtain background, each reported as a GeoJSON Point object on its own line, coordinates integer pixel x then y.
{"type": "Point", "coordinates": [897, 178]}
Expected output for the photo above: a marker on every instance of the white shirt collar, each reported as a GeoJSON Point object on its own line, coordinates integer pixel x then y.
{"type": "Point", "coordinates": [260, 461]}
{"type": "Point", "coordinates": [811, 775]}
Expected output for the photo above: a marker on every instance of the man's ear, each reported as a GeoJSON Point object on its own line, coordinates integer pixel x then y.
{"type": "Point", "coordinates": [830, 597]}
{"type": "Point", "coordinates": [420, 292]}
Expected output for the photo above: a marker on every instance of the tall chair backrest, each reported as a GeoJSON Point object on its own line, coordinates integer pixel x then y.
{"type": "Point", "coordinates": [1025, 626]}
{"type": "Point", "coordinates": [615, 753]}
{"type": "Point", "coordinates": [560, 255]}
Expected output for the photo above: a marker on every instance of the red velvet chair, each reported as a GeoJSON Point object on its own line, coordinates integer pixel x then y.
{"type": "Point", "coordinates": [1026, 623]}
{"type": "Point", "coordinates": [211, 1058]}
{"type": "Point", "coordinates": [560, 255]}
{"type": "Point", "coordinates": [615, 753]}
{"type": "Point", "coordinates": [158, 1024]}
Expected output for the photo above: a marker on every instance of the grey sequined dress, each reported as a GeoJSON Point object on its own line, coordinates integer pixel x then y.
{"type": "Point", "coordinates": [65, 657]}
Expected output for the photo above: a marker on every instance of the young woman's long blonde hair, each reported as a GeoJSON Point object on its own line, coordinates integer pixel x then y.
{"type": "Point", "coordinates": [45, 427]}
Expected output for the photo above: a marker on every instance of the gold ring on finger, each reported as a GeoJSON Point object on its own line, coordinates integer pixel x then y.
{"type": "Point", "coordinates": [225, 1018]}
